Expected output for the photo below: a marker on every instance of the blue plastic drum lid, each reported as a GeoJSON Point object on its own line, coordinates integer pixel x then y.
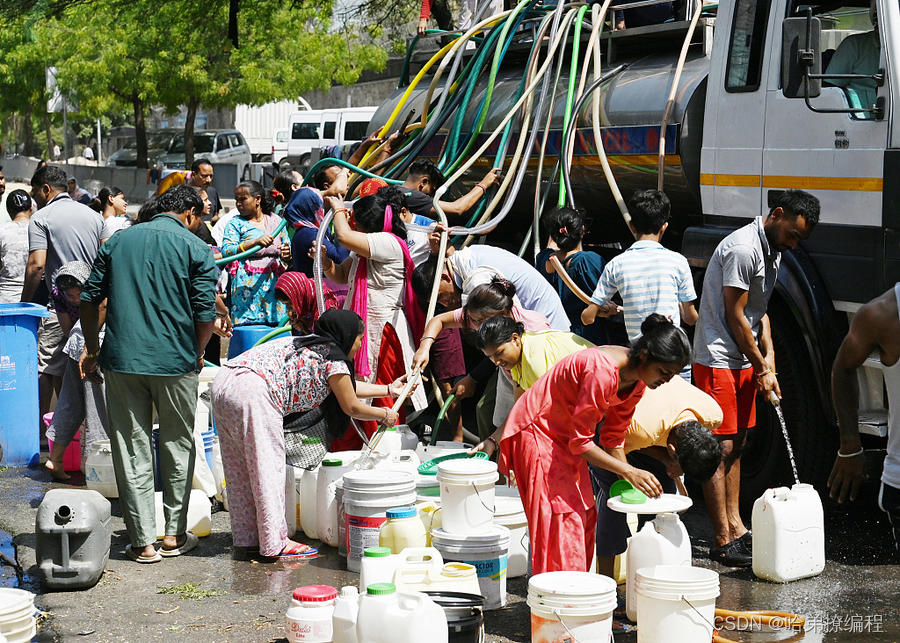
{"type": "Point", "coordinates": [244, 337]}
{"type": "Point", "coordinates": [19, 439]}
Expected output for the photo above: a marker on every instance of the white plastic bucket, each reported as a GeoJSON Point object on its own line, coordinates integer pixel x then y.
{"type": "Point", "coordinates": [510, 513]}
{"type": "Point", "coordinates": [487, 552]}
{"type": "Point", "coordinates": [571, 605]}
{"type": "Point", "coordinates": [367, 496]}
{"type": "Point", "coordinates": [467, 495]}
{"type": "Point", "coordinates": [17, 622]}
{"type": "Point", "coordinates": [675, 603]}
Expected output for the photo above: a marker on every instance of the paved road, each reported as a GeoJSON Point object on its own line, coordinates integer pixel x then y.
{"type": "Point", "coordinates": [858, 590]}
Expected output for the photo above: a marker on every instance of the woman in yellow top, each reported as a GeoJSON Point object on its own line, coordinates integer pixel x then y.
{"type": "Point", "coordinates": [525, 355]}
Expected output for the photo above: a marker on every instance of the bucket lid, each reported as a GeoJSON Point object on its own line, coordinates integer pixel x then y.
{"type": "Point", "coordinates": [390, 428]}
{"type": "Point", "coordinates": [376, 552]}
{"type": "Point", "coordinates": [401, 512]}
{"type": "Point", "coordinates": [312, 440]}
{"type": "Point", "coordinates": [315, 593]}
{"type": "Point", "coordinates": [381, 589]}
{"type": "Point", "coordinates": [467, 467]}
{"type": "Point", "coordinates": [332, 462]}
{"type": "Point", "coordinates": [570, 584]}
{"type": "Point", "coordinates": [377, 479]}
{"type": "Point", "coordinates": [456, 599]}
{"type": "Point", "coordinates": [495, 535]}
{"type": "Point", "coordinates": [33, 310]}
{"type": "Point", "coordinates": [430, 467]}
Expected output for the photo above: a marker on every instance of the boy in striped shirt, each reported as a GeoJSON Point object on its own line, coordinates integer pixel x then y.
{"type": "Point", "coordinates": [649, 277]}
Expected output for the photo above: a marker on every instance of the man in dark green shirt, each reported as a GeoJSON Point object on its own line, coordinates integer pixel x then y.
{"type": "Point", "coordinates": [159, 283]}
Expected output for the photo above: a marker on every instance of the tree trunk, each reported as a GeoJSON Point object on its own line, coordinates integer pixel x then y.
{"type": "Point", "coordinates": [140, 131]}
{"type": "Point", "coordinates": [28, 130]}
{"type": "Point", "coordinates": [233, 9]}
{"type": "Point", "coordinates": [192, 105]}
{"type": "Point", "coordinates": [50, 134]}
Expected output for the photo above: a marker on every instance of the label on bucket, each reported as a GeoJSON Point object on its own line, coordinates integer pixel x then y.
{"type": "Point", "coordinates": [362, 532]}
{"type": "Point", "coordinates": [491, 580]}
{"type": "Point", "coordinates": [570, 629]}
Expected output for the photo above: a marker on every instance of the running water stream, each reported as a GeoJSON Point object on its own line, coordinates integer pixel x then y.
{"type": "Point", "coordinates": [787, 439]}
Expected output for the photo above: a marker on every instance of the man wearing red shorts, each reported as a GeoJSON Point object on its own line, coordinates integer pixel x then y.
{"type": "Point", "coordinates": [733, 352]}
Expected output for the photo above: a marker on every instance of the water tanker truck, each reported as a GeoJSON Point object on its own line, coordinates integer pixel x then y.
{"type": "Point", "coordinates": [742, 99]}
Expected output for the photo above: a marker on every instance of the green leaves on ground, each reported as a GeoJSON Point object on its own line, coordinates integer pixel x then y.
{"type": "Point", "coordinates": [188, 591]}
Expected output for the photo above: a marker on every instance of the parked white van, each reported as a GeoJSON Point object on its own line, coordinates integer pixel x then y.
{"type": "Point", "coordinates": [315, 128]}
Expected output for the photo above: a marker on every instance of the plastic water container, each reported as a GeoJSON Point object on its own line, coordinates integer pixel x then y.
{"type": "Point", "coordinates": [309, 515]}
{"type": "Point", "coordinates": [330, 473]}
{"type": "Point", "coordinates": [72, 454]}
{"type": "Point", "coordinates": [199, 520]}
{"type": "Point", "coordinates": [202, 416]}
{"type": "Point", "coordinates": [379, 565]}
{"type": "Point", "coordinates": [428, 452]}
{"type": "Point", "coordinates": [676, 603]}
{"type": "Point", "coordinates": [403, 529]}
{"type": "Point", "coordinates": [576, 606]}
{"type": "Point", "coordinates": [73, 532]}
{"type": "Point", "coordinates": [19, 438]}
{"type": "Point", "coordinates": [309, 618]}
{"type": "Point", "coordinates": [510, 513]}
{"type": "Point", "coordinates": [430, 514]}
{"type": "Point", "coordinates": [390, 442]}
{"type": "Point", "coordinates": [467, 495]}
{"type": "Point", "coordinates": [346, 610]}
{"type": "Point", "coordinates": [788, 534]}
{"type": "Point", "coordinates": [662, 541]}
{"type": "Point", "coordinates": [244, 337]}
{"type": "Point", "coordinates": [17, 622]}
{"type": "Point", "coordinates": [450, 577]}
{"type": "Point", "coordinates": [99, 474]}
{"type": "Point", "coordinates": [465, 617]}
{"type": "Point", "coordinates": [386, 616]}
{"type": "Point", "coordinates": [487, 552]}
{"type": "Point", "coordinates": [368, 494]}
{"type": "Point", "coordinates": [342, 519]}
{"type": "Point", "coordinates": [409, 440]}
{"type": "Point", "coordinates": [291, 500]}
{"type": "Point", "coordinates": [405, 461]}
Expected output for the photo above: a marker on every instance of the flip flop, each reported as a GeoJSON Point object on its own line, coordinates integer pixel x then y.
{"type": "Point", "coordinates": [295, 553]}
{"type": "Point", "coordinates": [141, 558]}
{"type": "Point", "coordinates": [190, 541]}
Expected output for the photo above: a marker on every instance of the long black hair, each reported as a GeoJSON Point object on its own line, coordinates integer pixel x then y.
{"type": "Point", "coordinates": [99, 202]}
{"type": "Point", "coordinates": [660, 341]}
{"type": "Point", "coordinates": [494, 298]}
{"type": "Point", "coordinates": [566, 228]}
{"type": "Point", "coordinates": [266, 202]}
{"type": "Point", "coordinates": [498, 330]}
{"type": "Point", "coordinates": [369, 211]}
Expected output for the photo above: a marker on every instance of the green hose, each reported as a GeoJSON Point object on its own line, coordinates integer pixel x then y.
{"type": "Point", "coordinates": [440, 416]}
{"type": "Point", "coordinates": [251, 251]}
{"type": "Point", "coordinates": [332, 161]}
{"type": "Point", "coordinates": [275, 333]}
{"type": "Point", "coordinates": [576, 43]}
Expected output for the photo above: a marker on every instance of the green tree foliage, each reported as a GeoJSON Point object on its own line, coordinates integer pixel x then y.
{"type": "Point", "coordinates": [22, 63]}
{"type": "Point", "coordinates": [114, 55]}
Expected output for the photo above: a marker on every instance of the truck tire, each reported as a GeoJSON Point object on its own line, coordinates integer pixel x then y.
{"type": "Point", "coordinates": [765, 463]}
{"type": "Point", "coordinates": [304, 165]}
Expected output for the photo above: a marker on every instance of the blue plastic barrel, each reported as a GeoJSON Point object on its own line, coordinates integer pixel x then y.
{"type": "Point", "coordinates": [20, 416]}
{"type": "Point", "coordinates": [244, 337]}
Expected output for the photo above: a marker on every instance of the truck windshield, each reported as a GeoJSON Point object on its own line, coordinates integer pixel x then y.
{"type": "Point", "coordinates": [202, 143]}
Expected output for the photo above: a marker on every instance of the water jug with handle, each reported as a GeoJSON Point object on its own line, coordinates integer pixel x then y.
{"type": "Point", "coordinates": [386, 616]}
{"type": "Point", "coordinates": [662, 541]}
{"type": "Point", "coordinates": [346, 610]}
{"type": "Point", "coordinates": [98, 470]}
{"type": "Point", "coordinates": [330, 473]}
{"type": "Point", "coordinates": [788, 534]}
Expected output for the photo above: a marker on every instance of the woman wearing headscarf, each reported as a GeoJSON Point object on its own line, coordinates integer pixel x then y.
{"type": "Point", "coordinates": [250, 397]}
{"type": "Point", "coordinates": [298, 294]}
{"type": "Point", "coordinates": [379, 271]}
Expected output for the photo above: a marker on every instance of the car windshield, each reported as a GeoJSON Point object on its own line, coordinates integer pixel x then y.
{"type": "Point", "coordinates": [160, 141]}
{"type": "Point", "coordinates": [202, 143]}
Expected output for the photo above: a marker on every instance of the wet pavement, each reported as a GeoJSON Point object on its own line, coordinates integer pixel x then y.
{"type": "Point", "coordinates": [854, 599]}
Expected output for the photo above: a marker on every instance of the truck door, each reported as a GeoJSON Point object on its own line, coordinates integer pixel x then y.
{"type": "Point", "coordinates": [731, 158]}
{"type": "Point", "coordinates": [330, 128]}
{"type": "Point", "coordinates": [838, 157]}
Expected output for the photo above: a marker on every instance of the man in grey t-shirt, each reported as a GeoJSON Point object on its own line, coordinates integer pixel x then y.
{"type": "Point", "coordinates": [733, 352]}
{"type": "Point", "coordinates": [61, 231]}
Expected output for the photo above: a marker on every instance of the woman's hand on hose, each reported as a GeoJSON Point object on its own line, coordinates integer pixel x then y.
{"type": "Point", "coordinates": [421, 357]}
{"type": "Point", "coordinates": [334, 203]}
{"type": "Point", "coordinates": [327, 263]}
{"type": "Point", "coordinates": [285, 251]}
{"type": "Point", "coordinates": [422, 26]}
{"type": "Point", "coordinates": [391, 418]}
{"type": "Point", "coordinates": [396, 387]}
{"type": "Point", "coordinates": [263, 242]}
{"type": "Point", "coordinates": [644, 481]}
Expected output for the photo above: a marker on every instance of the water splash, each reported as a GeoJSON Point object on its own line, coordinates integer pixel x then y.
{"type": "Point", "coordinates": [787, 442]}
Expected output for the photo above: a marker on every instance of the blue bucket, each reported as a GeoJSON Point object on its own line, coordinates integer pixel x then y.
{"type": "Point", "coordinates": [20, 421]}
{"type": "Point", "coordinates": [244, 337]}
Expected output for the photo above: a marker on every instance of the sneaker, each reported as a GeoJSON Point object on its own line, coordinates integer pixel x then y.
{"type": "Point", "coordinates": [734, 554]}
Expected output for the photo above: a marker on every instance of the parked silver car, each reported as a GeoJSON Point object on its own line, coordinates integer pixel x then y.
{"type": "Point", "coordinates": [215, 145]}
{"type": "Point", "coordinates": [157, 144]}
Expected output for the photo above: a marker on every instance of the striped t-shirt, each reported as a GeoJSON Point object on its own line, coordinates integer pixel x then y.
{"type": "Point", "coordinates": [651, 279]}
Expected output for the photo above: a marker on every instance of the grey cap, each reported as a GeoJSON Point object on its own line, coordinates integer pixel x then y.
{"type": "Point", "coordinates": [77, 269]}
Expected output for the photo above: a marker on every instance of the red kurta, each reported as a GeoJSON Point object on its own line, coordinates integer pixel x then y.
{"type": "Point", "coordinates": [549, 428]}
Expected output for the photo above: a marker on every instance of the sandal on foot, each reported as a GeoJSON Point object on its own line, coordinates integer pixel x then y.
{"type": "Point", "coordinates": [190, 541]}
{"type": "Point", "coordinates": [140, 557]}
{"type": "Point", "coordinates": [298, 551]}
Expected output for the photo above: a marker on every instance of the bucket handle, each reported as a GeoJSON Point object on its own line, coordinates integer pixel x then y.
{"type": "Point", "coordinates": [684, 598]}
{"type": "Point", "coordinates": [572, 638]}
{"type": "Point", "coordinates": [483, 504]}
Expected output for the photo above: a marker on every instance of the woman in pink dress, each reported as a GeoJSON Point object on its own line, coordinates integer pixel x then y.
{"type": "Point", "coordinates": [548, 438]}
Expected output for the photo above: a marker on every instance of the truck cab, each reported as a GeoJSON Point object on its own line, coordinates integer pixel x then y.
{"type": "Point", "coordinates": [315, 128]}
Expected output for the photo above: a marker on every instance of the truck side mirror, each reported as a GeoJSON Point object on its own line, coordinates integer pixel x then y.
{"type": "Point", "coordinates": [801, 54]}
